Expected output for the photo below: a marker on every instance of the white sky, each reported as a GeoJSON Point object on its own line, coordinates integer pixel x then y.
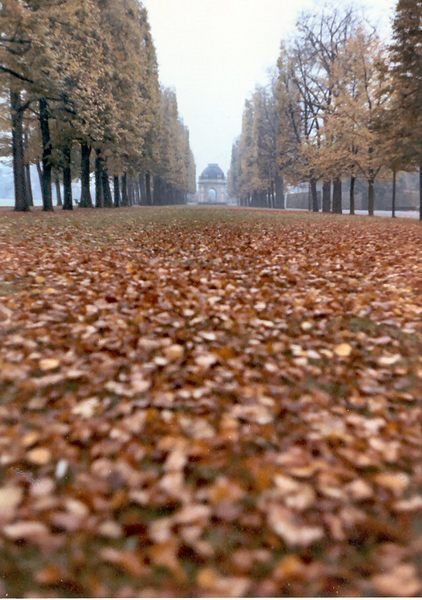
{"type": "Point", "coordinates": [214, 52]}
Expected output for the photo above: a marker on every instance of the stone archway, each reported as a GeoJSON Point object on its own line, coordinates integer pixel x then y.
{"type": "Point", "coordinates": [212, 186]}
{"type": "Point", "coordinates": [212, 195]}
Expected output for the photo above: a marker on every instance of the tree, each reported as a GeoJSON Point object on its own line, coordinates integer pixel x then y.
{"type": "Point", "coordinates": [234, 172]}
{"type": "Point", "coordinates": [69, 62]}
{"type": "Point", "coordinates": [406, 69]}
{"type": "Point", "coordinates": [359, 107]}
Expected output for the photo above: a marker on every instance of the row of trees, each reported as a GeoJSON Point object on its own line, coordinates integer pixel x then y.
{"type": "Point", "coordinates": [341, 105]}
{"type": "Point", "coordinates": [81, 81]}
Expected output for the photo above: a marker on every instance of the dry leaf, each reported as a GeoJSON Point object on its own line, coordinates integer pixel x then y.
{"type": "Point", "coordinates": [343, 350]}
{"type": "Point", "coordinates": [292, 531]}
{"type": "Point", "coordinates": [39, 456]}
{"type": "Point", "coordinates": [10, 498]}
{"type": "Point", "coordinates": [125, 560]}
{"type": "Point", "coordinates": [395, 482]}
{"type": "Point", "coordinates": [49, 364]}
{"type": "Point", "coordinates": [26, 530]}
{"type": "Point", "coordinates": [174, 352]}
{"type": "Point", "coordinates": [401, 581]}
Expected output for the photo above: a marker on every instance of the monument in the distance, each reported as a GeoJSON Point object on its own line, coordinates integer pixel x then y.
{"type": "Point", "coordinates": [212, 186]}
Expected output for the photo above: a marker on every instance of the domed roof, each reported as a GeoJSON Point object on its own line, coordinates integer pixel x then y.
{"type": "Point", "coordinates": [213, 171]}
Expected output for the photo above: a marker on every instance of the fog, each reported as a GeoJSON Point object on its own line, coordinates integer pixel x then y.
{"type": "Point", "coordinates": [214, 52]}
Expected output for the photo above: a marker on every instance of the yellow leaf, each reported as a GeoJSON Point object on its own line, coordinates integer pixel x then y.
{"type": "Point", "coordinates": [395, 482]}
{"type": "Point", "coordinates": [39, 456]}
{"type": "Point", "coordinates": [401, 580]}
{"type": "Point", "coordinates": [290, 567]}
{"type": "Point", "coordinates": [26, 530]}
{"type": "Point", "coordinates": [343, 350]}
{"type": "Point", "coordinates": [48, 364]}
{"type": "Point", "coordinates": [174, 352]}
{"type": "Point", "coordinates": [10, 498]}
{"type": "Point", "coordinates": [387, 361]}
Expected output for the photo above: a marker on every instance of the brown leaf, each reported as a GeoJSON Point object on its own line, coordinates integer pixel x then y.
{"type": "Point", "coordinates": [402, 581]}
{"type": "Point", "coordinates": [125, 560]}
{"type": "Point", "coordinates": [10, 499]}
{"type": "Point", "coordinates": [49, 364]}
{"type": "Point", "coordinates": [26, 530]}
{"type": "Point", "coordinates": [39, 456]}
{"type": "Point", "coordinates": [291, 530]}
{"type": "Point", "coordinates": [343, 350]}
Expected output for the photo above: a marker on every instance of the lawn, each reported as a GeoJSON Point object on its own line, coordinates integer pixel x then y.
{"type": "Point", "coordinates": [204, 401]}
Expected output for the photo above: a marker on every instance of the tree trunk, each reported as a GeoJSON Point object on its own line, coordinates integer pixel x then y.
{"type": "Point", "coordinates": [125, 199]}
{"type": "Point", "coordinates": [157, 191]}
{"type": "Point", "coordinates": [326, 196]}
{"type": "Point", "coordinates": [142, 188]}
{"type": "Point", "coordinates": [130, 191]}
{"type": "Point", "coordinates": [262, 199]}
{"type": "Point", "coordinates": [420, 191]}
{"type": "Point", "coordinates": [108, 198]}
{"type": "Point", "coordinates": [314, 195]}
{"type": "Point", "coordinates": [105, 180]}
{"type": "Point", "coordinates": [46, 155]}
{"type": "Point", "coordinates": [99, 195]}
{"type": "Point", "coordinates": [39, 171]}
{"type": "Point", "coordinates": [67, 179]}
{"type": "Point", "coordinates": [371, 199]}
{"type": "Point", "coordinates": [19, 177]}
{"type": "Point", "coordinates": [116, 186]}
{"type": "Point", "coordinates": [337, 196]}
{"type": "Point", "coordinates": [85, 200]}
{"type": "Point", "coordinates": [148, 194]}
{"type": "Point", "coordinates": [28, 183]}
{"type": "Point", "coordinates": [279, 192]}
{"type": "Point", "coordinates": [352, 194]}
{"type": "Point", "coordinates": [29, 195]}
{"type": "Point", "coordinates": [137, 191]}
{"type": "Point", "coordinates": [58, 192]}
{"type": "Point", "coordinates": [393, 200]}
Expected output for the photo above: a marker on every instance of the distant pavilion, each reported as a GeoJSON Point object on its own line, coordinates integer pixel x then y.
{"type": "Point", "coordinates": [212, 185]}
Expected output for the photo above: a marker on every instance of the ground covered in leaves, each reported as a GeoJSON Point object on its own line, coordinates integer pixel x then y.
{"type": "Point", "coordinates": [209, 402]}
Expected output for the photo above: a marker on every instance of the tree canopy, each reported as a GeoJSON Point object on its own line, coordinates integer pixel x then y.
{"type": "Point", "coordinates": [81, 78]}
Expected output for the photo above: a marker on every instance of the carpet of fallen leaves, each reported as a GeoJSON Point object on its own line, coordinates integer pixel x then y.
{"type": "Point", "coordinates": [209, 402]}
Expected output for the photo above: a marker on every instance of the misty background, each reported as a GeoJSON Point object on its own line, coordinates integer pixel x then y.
{"type": "Point", "coordinates": [214, 52]}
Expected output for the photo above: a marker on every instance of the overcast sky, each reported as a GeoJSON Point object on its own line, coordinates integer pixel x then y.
{"type": "Point", "coordinates": [214, 52]}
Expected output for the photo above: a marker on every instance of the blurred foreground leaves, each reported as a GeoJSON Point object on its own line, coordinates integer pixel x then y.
{"type": "Point", "coordinates": [199, 402]}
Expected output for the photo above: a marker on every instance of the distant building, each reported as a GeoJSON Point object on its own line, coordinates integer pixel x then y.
{"type": "Point", "coordinates": [212, 186]}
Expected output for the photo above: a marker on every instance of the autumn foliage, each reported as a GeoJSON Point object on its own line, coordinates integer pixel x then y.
{"type": "Point", "coordinates": [80, 81]}
{"type": "Point", "coordinates": [342, 105]}
{"type": "Point", "coordinates": [203, 402]}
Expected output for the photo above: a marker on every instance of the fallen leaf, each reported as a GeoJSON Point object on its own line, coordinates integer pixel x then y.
{"type": "Point", "coordinates": [10, 498]}
{"type": "Point", "coordinates": [343, 350]}
{"type": "Point", "coordinates": [401, 581]}
{"type": "Point", "coordinates": [174, 352]}
{"type": "Point", "coordinates": [87, 408]}
{"type": "Point", "coordinates": [388, 361]}
{"type": "Point", "coordinates": [49, 364]}
{"type": "Point", "coordinates": [26, 530]}
{"type": "Point", "coordinates": [395, 482]}
{"type": "Point", "coordinates": [291, 530]}
{"type": "Point", "coordinates": [50, 575]}
{"type": "Point", "coordinates": [39, 456]}
{"type": "Point", "coordinates": [289, 567]}
{"type": "Point", "coordinates": [125, 560]}
{"type": "Point", "coordinates": [206, 360]}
